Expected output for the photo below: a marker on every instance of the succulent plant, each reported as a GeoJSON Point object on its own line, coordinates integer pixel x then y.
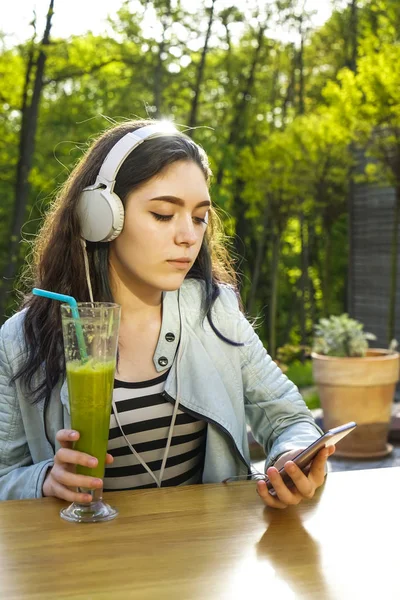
{"type": "Point", "coordinates": [341, 336]}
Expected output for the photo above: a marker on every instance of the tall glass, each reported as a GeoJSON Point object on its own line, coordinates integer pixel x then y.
{"type": "Point", "coordinates": [90, 347]}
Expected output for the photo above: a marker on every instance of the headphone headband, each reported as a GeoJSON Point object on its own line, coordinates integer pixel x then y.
{"type": "Point", "coordinates": [121, 150]}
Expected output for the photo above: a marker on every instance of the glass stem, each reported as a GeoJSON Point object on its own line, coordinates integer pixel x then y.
{"type": "Point", "coordinates": [97, 494]}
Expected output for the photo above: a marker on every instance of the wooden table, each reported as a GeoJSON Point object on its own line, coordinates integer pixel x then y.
{"type": "Point", "coordinates": [211, 541]}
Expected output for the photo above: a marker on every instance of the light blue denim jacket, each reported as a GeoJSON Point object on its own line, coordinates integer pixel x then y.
{"type": "Point", "coordinates": [222, 384]}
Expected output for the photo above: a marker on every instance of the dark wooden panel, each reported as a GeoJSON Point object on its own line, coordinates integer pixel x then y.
{"type": "Point", "coordinates": [371, 228]}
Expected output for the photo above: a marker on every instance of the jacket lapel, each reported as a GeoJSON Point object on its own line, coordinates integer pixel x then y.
{"type": "Point", "coordinates": [201, 388]}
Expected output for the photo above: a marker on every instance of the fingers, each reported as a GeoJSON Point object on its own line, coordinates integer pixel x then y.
{"type": "Point", "coordinates": [267, 498]}
{"type": "Point", "coordinates": [63, 479]}
{"type": "Point", "coordinates": [303, 483]}
{"type": "Point", "coordinates": [74, 457]}
{"type": "Point", "coordinates": [318, 466]}
{"type": "Point", "coordinates": [74, 480]}
{"type": "Point", "coordinates": [284, 493]}
{"type": "Point", "coordinates": [307, 483]}
{"type": "Point", "coordinates": [58, 482]}
{"type": "Point", "coordinates": [64, 493]}
{"type": "Point", "coordinates": [67, 437]}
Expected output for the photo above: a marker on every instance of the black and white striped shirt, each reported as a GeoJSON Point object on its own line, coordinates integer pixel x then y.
{"type": "Point", "coordinates": [145, 416]}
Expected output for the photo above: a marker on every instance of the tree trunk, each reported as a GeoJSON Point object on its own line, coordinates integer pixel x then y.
{"type": "Point", "coordinates": [326, 279]}
{"type": "Point", "coordinates": [224, 121]}
{"type": "Point", "coordinates": [241, 222]}
{"type": "Point", "coordinates": [260, 253]}
{"type": "Point", "coordinates": [290, 90]}
{"type": "Point", "coordinates": [200, 72]}
{"type": "Point", "coordinates": [158, 70]}
{"type": "Point", "coordinates": [350, 197]}
{"type": "Point", "coordinates": [225, 23]}
{"type": "Point", "coordinates": [301, 69]}
{"type": "Point", "coordinates": [28, 75]}
{"type": "Point", "coordinates": [274, 293]}
{"type": "Point", "coordinates": [303, 223]}
{"type": "Point", "coordinates": [237, 138]}
{"type": "Point", "coordinates": [289, 324]}
{"type": "Point", "coordinates": [237, 133]}
{"type": "Point", "coordinates": [394, 267]}
{"type": "Point", "coordinates": [238, 129]}
{"type": "Point", "coordinates": [260, 249]}
{"type": "Point", "coordinates": [303, 279]}
{"type": "Point", "coordinates": [311, 262]}
{"type": "Point", "coordinates": [26, 150]}
{"type": "Point", "coordinates": [354, 35]}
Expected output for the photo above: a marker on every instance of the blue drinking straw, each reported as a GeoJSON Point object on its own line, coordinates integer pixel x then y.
{"type": "Point", "coordinates": [75, 314]}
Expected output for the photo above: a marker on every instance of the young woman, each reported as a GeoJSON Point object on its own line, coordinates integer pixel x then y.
{"type": "Point", "coordinates": [134, 224]}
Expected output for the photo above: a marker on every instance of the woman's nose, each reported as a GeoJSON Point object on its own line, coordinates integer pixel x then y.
{"type": "Point", "coordinates": [186, 233]}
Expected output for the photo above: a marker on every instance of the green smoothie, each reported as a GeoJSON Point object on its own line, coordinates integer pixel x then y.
{"type": "Point", "coordinates": [90, 388]}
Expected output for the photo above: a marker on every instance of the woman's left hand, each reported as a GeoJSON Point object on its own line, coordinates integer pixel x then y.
{"type": "Point", "coordinates": [304, 485]}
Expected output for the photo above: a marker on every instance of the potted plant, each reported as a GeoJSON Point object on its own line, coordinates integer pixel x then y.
{"type": "Point", "coordinates": [355, 383]}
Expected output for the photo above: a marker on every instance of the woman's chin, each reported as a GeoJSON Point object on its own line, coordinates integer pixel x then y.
{"type": "Point", "coordinates": [171, 284]}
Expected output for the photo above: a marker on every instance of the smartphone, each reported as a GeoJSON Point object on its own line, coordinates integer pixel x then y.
{"type": "Point", "coordinates": [305, 457]}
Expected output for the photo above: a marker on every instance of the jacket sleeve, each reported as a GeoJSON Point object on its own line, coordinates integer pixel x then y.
{"type": "Point", "coordinates": [275, 410]}
{"type": "Point", "coordinates": [19, 478]}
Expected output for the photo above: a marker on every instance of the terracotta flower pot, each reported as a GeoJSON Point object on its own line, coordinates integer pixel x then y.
{"type": "Point", "coordinates": [360, 390]}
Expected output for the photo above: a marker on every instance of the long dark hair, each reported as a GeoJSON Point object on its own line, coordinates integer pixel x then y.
{"type": "Point", "coordinates": [58, 255]}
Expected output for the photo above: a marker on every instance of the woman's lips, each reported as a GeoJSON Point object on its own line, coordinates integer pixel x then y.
{"type": "Point", "coordinates": [180, 263]}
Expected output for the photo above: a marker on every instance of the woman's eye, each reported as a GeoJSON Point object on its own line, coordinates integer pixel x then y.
{"type": "Point", "coordinates": [197, 220]}
{"type": "Point", "coordinates": [162, 217]}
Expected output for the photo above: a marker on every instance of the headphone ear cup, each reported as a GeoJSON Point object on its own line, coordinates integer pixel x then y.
{"type": "Point", "coordinates": [118, 212]}
{"type": "Point", "coordinates": [101, 215]}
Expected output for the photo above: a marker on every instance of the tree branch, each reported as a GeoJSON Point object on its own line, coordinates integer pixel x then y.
{"type": "Point", "coordinates": [80, 73]}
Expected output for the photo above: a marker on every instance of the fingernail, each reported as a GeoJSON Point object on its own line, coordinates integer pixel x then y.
{"type": "Point", "coordinates": [73, 434]}
{"type": "Point", "coordinates": [97, 482]}
{"type": "Point", "coordinates": [92, 462]}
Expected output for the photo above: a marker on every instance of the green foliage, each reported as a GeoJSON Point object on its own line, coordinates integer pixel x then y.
{"type": "Point", "coordinates": [369, 105]}
{"type": "Point", "coordinates": [289, 353]}
{"type": "Point", "coordinates": [341, 336]}
{"type": "Point", "coordinates": [300, 373]}
{"type": "Point", "coordinates": [312, 400]}
{"type": "Point", "coordinates": [286, 166]}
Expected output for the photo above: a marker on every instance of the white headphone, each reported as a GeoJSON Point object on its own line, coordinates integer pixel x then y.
{"type": "Point", "coordinates": [100, 210]}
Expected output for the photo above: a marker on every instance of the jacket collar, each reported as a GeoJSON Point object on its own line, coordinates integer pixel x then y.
{"type": "Point", "coordinates": [170, 332]}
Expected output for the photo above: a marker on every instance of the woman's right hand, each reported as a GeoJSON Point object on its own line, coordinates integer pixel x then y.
{"type": "Point", "coordinates": [62, 477]}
